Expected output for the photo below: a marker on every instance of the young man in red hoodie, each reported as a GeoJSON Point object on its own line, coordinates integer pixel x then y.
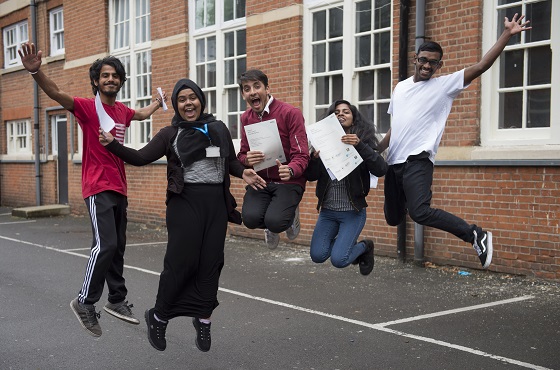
{"type": "Point", "coordinates": [275, 207]}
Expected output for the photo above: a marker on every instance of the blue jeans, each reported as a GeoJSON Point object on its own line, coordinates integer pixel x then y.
{"type": "Point", "coordinates": [335, 236]}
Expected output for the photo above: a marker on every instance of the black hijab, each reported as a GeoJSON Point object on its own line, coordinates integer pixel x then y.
{"type": "Point", "coordinates": [191, 142]}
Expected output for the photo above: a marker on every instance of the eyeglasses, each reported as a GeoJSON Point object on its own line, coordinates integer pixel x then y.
{"type": "Point", "coordinates": [422, 61]}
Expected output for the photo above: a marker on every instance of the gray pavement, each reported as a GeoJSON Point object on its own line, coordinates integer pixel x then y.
{"type": "Point", "coordinates": [278, 310]}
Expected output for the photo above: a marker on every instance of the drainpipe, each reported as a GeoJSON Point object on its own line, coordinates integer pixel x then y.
{"type": "Point", "coordinates": [36, 138]}
{"type": "Point", "coordinates": [403, 67]}
{"type": "Point", "coordinates": [420, 38]}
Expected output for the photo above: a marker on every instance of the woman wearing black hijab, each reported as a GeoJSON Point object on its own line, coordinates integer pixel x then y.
{"type": "Point", "coordinates": [200, 158]}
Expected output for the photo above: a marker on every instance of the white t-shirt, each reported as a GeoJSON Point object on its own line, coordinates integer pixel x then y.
{"type": "Point", "coordinates": [420, 111]}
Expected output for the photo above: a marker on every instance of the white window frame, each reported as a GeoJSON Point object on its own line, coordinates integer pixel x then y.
{"type": "Point", "coordinates": [130, 41]}
{"type": "Point", "coordinates": [350, 72]}
{"type": "Point", "coordinates": [18, 134]}
{"type": "Point", "coordinates": [56, 25]}
{"type": "Point", "coordinates": [218, 30]}
{"type": "Point", "coordinates": [55, 119]}
{"type": "Point", "coordinates": [13, 36]}
{"type": "Point", "coordinates": [491, 135]}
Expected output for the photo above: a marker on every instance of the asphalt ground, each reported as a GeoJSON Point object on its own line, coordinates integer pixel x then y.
{"type": "Point", "coordinates": [278, 310]}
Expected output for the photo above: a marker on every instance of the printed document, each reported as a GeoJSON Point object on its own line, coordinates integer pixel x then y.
{"type": "Point", "coordinates": [264, 137]}
{"type": "Point", "coordinates": [340, 159]}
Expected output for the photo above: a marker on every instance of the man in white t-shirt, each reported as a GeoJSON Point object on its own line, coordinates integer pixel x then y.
{"type": "Point", "coordinates": [420, 106]}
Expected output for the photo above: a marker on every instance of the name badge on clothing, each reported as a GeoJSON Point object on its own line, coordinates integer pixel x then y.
{"type": "Point", "coordinates": [212, 151]}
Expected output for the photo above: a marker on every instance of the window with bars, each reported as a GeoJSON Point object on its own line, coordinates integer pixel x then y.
{"type": "Point", "coordinates": [218, 42]}
{"type": "Point", "coordinates": [19, 137]}
{"type": "Point", "coordinates": [14, 36]}
{"type": "Point", "coordinates": [523, 79]}
{"type": "Point", "coordinates": [130, 42]}
{"type": "Point", "coordinates": [350, 46]}
{"type": "Point", "coordinates": [56, 25]}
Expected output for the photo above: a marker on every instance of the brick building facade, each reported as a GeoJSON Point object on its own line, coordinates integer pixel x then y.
{"type": "Point", "coordinates": [493, 168]}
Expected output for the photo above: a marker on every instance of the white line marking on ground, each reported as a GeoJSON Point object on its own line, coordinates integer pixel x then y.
{"type": "Point", "coordinates": [17, 222]}
{"type": "Point", "coordinates": [139, 244]}
{"type": "Point", "coordinates": [5, 214]}
{"type": "Point", "coordinates": [380, 326]}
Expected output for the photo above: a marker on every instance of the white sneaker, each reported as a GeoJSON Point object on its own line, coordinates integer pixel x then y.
{"type": "Point", "coordinates": [271, 239]}
{"type": "Point", "coordinates": [293, 231]}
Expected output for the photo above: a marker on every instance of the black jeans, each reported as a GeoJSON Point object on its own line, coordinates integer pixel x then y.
{"type": "Point", "coordinates": [272, 208]}
{"type": "Point", "coordinates": [409, 186]}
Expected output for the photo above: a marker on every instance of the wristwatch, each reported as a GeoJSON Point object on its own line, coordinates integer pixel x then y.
{"type": "Point", "coordinates": [291, 171]}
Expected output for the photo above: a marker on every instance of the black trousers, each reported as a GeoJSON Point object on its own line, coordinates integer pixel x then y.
{"type": "Point", "coordinates": [196, 226]}
{"type": "Point", "coordinates": [107, 212]}
{"type": "Point", "coordinates": [272, 208]}
{"type": "Point", "coordinates": [409, 186]}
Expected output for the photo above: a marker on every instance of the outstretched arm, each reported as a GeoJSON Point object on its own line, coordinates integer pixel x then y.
{"type": "Point", "coordinates": [31, 60]}
{"type": "Point", "coordinates": [511, 28]}
{"type": "Point", "coordinates": [145, 112]}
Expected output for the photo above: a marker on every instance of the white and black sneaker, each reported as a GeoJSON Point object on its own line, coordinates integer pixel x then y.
{"type": "Point", "coordinates": [122, 310]}
{"type": "Point", "coordinates": [482, 244]}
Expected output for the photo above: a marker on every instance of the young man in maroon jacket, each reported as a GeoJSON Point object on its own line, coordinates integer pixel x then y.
{"type": "Point", "coordinates": [275, 207]}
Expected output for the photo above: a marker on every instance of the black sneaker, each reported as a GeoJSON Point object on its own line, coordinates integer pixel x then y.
{"type": "Point", "coordinates": [156, 330]}
{"type": "Point", "coordinates": [203, 339]}
{"type": "Point", "coordinates": [87, 316]}
{"type": "Point", "coordinates": [366, 260]}
{"type": "Point", "coordinates": [122, 310]}
{"type": "Point", "coordinates": [482, 244]}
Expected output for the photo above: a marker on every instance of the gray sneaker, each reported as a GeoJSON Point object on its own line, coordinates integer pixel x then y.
{"type": "Point", "coordinates": [87, 316]}
{"type": "Point", "coordinates": [122, 310]}
{"type": "Point", "coordinates": [271, 239]}
{"type": "Point", "coordinates": [293, 231]}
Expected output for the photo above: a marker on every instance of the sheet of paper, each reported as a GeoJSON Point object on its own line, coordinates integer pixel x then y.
{"type": "Point", "coordinates": [105, 121]}
{"type": "Point", "coordinates": [263, 136]}
{"type": "Point", "coordinates": [339, 158]}
{"type": "Point", "coordinates": [163, 105]}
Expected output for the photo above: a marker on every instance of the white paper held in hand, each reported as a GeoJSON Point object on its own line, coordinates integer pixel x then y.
{"type": "Point", "coordinates": [162, 102]}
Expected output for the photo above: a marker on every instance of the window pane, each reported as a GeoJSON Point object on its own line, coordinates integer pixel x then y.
{"type": "Point", "coordinates": [511, 68]}
{"type": "Point", "coordinates": [540, 65]}
{"type": "Point", "coordinates": [211, 76]}
{"type": "Point", "coordinates": [210, 12]}
{"type": "Point", "coordinates": [538, 14]}
{"type": "Point", "coordinates": [241, 42]}
{"type": "Point", "coordinates": [232, 126]}
{"type": "Point", "coordinates": [201, 75]}
{"type": "Point", "coordinates": [229, 72]}
{"type": "Point", "coordinates": [538, 108]}
{"type": "Point", "coordinates": [382, 13]}
{"type": "Point", "coordinates": [363, 16]}
{"type": "Point", "coordinates": [200, 51]}
{"type": "Point", "coordinates": [363, 51]}
{"type": "Point", "coordinates": [320, 113]}
{"type": "Point", "coordinates": [199, 14]}
{"type": "Point", "coordinates": [211, 48]}
{"type": "Point", "coordinates": [229, 44]}
{"type": "Point", "coordinates": [335, 22]}
{"type": "Point", "coordinates": [240, 9]}
{"type": "Point", "coordinates": [337, 88]}
{"type": "Point", "coordinates": [366, 85]}
{"type": "Point", "coordinates": [383, 83]}
{"type": "Point", "coordinates": [319, 26]}
{"type": "Point", "coordinates": [228, 10]}
{"type": "Point", "coordinates": [335, 56]}
{"type": "Point", "coordinates": [322, 90]}
{"type": "Point", "coordinates": [511, 110]}
{"type": "Point", "coordinates": [212, 102]}
{"type": "Point", "coordinates": [241, 66]}
{"type": "Point", "coordinates": [382, 46]}
{"type": "Point", "coordinates": [319, 56]}
{"type": "Point", "coordinates": [383, 122]}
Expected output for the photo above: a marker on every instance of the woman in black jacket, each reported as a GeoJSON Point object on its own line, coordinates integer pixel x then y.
{"type": "Point", "coordinates": [200, 158]}
{"type": "Point", "coordinates": [342, 204]}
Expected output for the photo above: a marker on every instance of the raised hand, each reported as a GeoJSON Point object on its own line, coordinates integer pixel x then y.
{"type": "Point", "coordinates": [516, 25]}
{"type": "Point", "coordinates": [30, 57]}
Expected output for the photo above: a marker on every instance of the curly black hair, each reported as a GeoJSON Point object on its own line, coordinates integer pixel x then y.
{"type": "Point", "coordinates": [95, 71]}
